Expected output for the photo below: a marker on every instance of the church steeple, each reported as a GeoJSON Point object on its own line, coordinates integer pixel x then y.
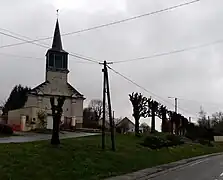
{"type": "Point", "coordinates": [56, 57]}
{"type": "Point", "coordinates": [57, 43]}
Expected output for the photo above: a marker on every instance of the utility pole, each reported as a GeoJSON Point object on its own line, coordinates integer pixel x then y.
{"type": "Point", "coordinates": [175, 104]}
{"type": "Point", "coordinates": [106, 89]}
{"type": "Point", "coordinates": [190, 119]}
{"type": "Point", "coordinates": [104, 107]}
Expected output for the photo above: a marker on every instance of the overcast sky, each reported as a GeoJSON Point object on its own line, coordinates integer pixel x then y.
{"type": "Point", "coordinates": [193, 75]}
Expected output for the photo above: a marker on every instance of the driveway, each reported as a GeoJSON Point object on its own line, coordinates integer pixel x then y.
{"type": "Point", "coordinates": [30, 137]}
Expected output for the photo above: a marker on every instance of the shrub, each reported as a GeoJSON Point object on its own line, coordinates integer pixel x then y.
{"type": "Point", "coordinates": [155, 142]}
{"type": "Point", "coordinates": [205, 142]}
{"type": "Point", "coordinates": [5, 129]}
{"type": "Point", "coordinates": [163, 140]}
{"type": "Point", "coordinates": [174, 140]}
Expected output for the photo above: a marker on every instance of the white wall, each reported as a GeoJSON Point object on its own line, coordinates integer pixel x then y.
{"type": "Point", "coordinates": [69, 109]}
{"type": "Point", "coordinates": [78, 110]}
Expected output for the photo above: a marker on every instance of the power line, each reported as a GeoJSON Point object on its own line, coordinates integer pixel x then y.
{"type": "Point", "coordinates": [76, 54]}
{"type": "Point", "coordinates": [21, 39]}
{"type": "Point", "coordinates": [170, 52]}
{"type": "Point", "coordinates": [84, 58]}
{"type": "Point", "coordinates": [38, 58]}
{"type": "Point", "coordinates": [201, 102]}
{"type": "Point", "coordinates": [108, 24]}
{"type": "Point", "coordinates": [128, 79]}
{"type": "Point", "coordinates": [17, 56]}
{"type": "Point", "coordinates": [44, 46]}
{"type": "Point", "coordinates": [16, 34]}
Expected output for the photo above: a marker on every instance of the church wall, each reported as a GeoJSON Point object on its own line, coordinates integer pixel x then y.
{"type": "Point", "coordinates": [67, 108]}
{"type": "Point", "coordinates": [78, 110]}
{"type": "Point", "coordinates": [51, 76]}
{"type": "Point", "coordinates": [14, 116]}
{"type": "Point", "coordinates": [45, 104]}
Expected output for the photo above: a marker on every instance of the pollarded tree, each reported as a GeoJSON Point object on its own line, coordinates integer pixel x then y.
{"type": "Point", "coordinates": [184, 124]}
{"type": "Point", "coordinates": [162, 113]}
{"type": "Point", "coordinates": [171, 115]}
{"type": "Point", "coordinates": [177, 122]}
{"type": "Point", "coordinates": [57, 111]}
{"type": "Point", "coordinates": [153, 107]}
{"type": "Point", "coordinates": [139, 104]}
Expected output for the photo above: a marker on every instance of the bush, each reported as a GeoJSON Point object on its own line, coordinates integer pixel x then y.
{"type": "Point", "coordinates": [205, 142]}
{"type": "Point", "coordinates": [163, 140]}
{"type": "Point", "coordinates": [154, 142]}
{"type": "Point", "coordinates": [174, 140]}
{"type": "Point", "coordinates": [5, 129]}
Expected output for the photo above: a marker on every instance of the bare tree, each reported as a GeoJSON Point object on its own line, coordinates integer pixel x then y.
{"type": "Point", "coordinates": [96, 105]}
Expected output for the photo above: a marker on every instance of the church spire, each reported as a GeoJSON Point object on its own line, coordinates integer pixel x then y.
{"type": "Point", "coordinates": [57, 43]}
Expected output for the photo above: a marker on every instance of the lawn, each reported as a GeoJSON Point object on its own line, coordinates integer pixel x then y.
{"type": "Point", "coordinates": [82, 158]}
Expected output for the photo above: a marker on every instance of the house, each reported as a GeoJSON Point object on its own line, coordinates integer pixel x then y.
{"type": "Point", "coordinates": [125, 125]}
{"type": "Point", "coordinates": [144, 127]}
{"type": "Point", "coordinates": [56, 84]}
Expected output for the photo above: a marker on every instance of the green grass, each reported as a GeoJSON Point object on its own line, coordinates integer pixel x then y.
{"type": "Point", "coordinates": [82, 158]}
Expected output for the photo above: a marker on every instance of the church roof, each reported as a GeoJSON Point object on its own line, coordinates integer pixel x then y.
{"type": "Point", "coordinates": [74, 91]}
{"type": "Point", "coordinates": [57, 42]}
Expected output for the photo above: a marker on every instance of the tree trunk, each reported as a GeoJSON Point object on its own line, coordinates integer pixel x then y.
{"type": "Point", "coordinates": [164, 124]}
{"type": "Point", "coordinates": [171, 126]}
{"type": "Point", "coordinates": [136, 126]}
{"type": "Point", "coordinates": [55, 140]}
{"type": "Point", "coordinates": [153, 122]}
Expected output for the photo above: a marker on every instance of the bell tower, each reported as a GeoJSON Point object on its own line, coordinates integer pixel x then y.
{"type": "Point", "coordinates": [57, 59]}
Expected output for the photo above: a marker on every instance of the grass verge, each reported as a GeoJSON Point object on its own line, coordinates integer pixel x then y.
{"type": "Point", "coordinates": [82, 158]}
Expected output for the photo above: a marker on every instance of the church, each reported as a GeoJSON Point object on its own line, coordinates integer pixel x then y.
{"type": "Point", "coordinates": [56, 84]}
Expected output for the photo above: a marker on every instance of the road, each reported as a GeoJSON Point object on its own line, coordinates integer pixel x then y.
{"type": "Point", "coordinates": [206, 169]}
{"type": "Point", "coordinates": [30, 137]}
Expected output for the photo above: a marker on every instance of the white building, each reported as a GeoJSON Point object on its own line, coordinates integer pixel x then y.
{"type": "Point", "coordinates": [56, 84]}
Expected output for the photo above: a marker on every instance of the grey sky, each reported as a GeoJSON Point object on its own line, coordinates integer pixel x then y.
{"type": "Point", "coordinates": [193, 75]}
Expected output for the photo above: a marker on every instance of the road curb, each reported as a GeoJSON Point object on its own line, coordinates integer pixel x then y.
{"type": "Point", "coordinates": [162, 169]}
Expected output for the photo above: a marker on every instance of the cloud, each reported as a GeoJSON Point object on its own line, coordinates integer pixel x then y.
{"type": "Point", "coordinates": [195, 74]}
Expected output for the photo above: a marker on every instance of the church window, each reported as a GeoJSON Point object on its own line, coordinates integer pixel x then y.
{"type": "Point", "coordinates": [58, 61]}
{"type": "Point", "coordinates": [51, 60]}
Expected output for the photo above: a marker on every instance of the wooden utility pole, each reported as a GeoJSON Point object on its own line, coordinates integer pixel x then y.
{"type": "Point", "coordinates": [176, 105]}
{"type": "Point", "coordinates": [104, 107]}
{"type": "Point", "coordinates": [106, 89]}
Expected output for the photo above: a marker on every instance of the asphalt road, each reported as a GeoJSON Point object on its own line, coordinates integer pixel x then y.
{"type": "Point", "coordinates": [206, 169]}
